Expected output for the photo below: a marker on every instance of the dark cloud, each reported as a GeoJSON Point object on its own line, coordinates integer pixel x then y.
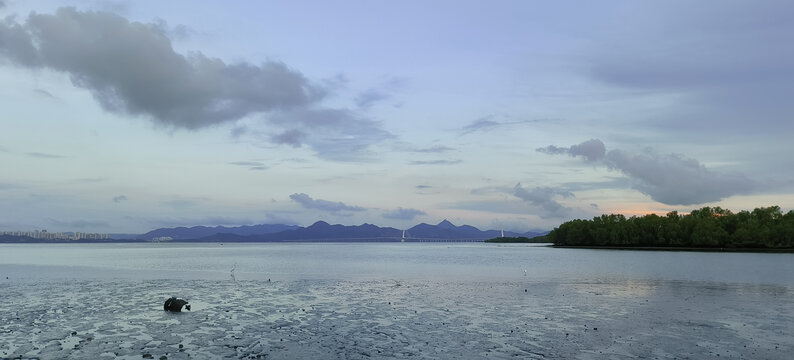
{"type": "Point", "coordinates": [591, 150]}
{"type": "Point", "coordinates": [403, 214]}
{"type": "Point", "coordinates": [544, 198]}
{"type": "Point", "coordinates": [119, 199]}
{"type": "Point", "coordinates": [131, 68]}
{"type": "Point", "coordinates": [670, 179]}
{"type": "Point", "coordinates": [437, 162]}
{"type": "Point", "coordinates": [334, 207]}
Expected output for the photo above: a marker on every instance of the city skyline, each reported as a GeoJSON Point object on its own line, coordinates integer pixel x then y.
{"type": "Point", "coordinates": [122, 117]}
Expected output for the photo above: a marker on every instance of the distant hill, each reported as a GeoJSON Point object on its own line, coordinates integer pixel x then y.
{"type": "Point", "coordinates": [319, 231]}
{"type": "Point", "coordinates": [322, 231]}
{"type": "Point", "coordinates": [197, 232]}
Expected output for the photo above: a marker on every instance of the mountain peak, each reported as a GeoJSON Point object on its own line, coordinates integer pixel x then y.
{"type": "Point", "coordinates": [446, 225]}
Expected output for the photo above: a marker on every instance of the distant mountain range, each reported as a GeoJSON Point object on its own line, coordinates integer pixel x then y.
{"type": "Point", "coordinates": [197, 232]}
{"type": "Point", "coordinates": [323, 231]}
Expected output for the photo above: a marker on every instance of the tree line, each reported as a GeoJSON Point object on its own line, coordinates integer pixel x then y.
{"type": "Point", "coordinates": [708, 227]}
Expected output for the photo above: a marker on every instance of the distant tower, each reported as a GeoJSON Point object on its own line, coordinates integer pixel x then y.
{"type": "Point", "coordinates": [503, 233]}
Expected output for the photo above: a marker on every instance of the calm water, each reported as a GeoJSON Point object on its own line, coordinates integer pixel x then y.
{"type": "Point", "coordinates": [377, 261]}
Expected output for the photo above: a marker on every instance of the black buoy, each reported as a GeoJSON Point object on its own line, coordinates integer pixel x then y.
{"type": "Point", "coordinates": [175, 305]}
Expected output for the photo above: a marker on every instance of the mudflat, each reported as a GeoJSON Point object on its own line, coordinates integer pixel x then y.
{"type": "Point", "coordinates": [327, 319]}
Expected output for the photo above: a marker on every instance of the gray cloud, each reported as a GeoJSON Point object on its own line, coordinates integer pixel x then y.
{"type": "Point", "coordinates": [554, 150]}
{"type": "Point", "coordinates": [483, 124]}
{"type": "Point", "coordinates": [334, 207]}
{"type": "Point", "coordinates": [435, 149]}
{"type": "Point", "coordinates": [403, 214]}
{"type": "Point", "coordinates": [253, 165]}
{"type": "Point", "coordinates": [437, 162]}
{"type": "Point", "coordinates": [119, 199]}
{"type": "Point", "coordinates": [80, 224]}
{"type": "Point", "coordinates": [374, 95]}
{"type": "Point", "coordinates": [544, 198]}
{"type": "Point", "coordinates": [10, 186]}
{"type": "Point", "coordinates": [206, 221]}
{"type": "Point", "coordinates": [238, 131]}
{"type": "Point", "coordinates": [335, 134]}
{"type": "Point", "coordinates": [131, 68]}
{"type": "Point", "coordinates": [369, 97]}
{"type": "Point", "coordinates": [44, 155]}
{"type": "Point", "coordinates": [44, 93]}
{"type": "Point", "coordinates": [591, 150]}
{"type": "Point", "coordinates": [727, 62]}
{"type": "Point", "coordinates": [670, 179]}
{"type": "Point", "coordinates": [486, 124]}
{"type": "Point", "coordinates": [178, 32]}
{"type": "Point", "coordinates": [182, 203]}
{"type": "Point", "coordinates": [676, 180]}
{"type": "Point", "coordinates": [291, 137]}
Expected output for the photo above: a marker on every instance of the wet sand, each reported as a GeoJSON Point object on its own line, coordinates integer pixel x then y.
{"type": "Point", "coordinates": [322, 319]}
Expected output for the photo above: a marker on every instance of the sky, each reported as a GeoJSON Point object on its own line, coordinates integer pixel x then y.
{"type": "Point", "coordinates": [122, 117]}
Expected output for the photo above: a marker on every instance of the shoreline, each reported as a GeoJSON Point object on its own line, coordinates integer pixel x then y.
{"type": "Point", "coordinates": [677, 248]}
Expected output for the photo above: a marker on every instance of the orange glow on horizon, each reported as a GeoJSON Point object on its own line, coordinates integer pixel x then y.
{"type": "Point", "coordinates": [639, 210]}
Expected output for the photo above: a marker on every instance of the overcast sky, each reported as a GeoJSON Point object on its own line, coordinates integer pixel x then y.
{"type": "Point", "coordinates": [516, 115]}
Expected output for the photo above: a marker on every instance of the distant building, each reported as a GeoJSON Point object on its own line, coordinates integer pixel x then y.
{"type": "Point", "coordinates": [45, 235]}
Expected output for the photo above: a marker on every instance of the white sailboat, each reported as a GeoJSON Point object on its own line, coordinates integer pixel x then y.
{"type": "Point", "coordinates": [403, 239]}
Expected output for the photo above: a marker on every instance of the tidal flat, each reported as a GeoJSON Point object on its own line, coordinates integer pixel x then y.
{"type": "Point", "coordinates": [322, 319]}
{"type": "Point", "coordinates": [418, 301]}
